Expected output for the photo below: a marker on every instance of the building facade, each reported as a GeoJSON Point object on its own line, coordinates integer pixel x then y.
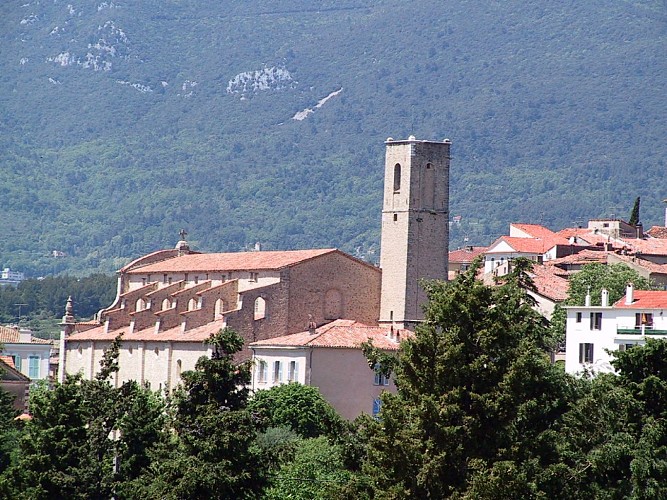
{"type": "Point", "coordinates": [592, 332]}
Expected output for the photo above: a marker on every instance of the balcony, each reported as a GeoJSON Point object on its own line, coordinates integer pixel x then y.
{"type": "Point", "coordinates": [638, 331]}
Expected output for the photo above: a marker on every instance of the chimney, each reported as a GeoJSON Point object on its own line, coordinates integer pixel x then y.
{"type": "Point", "coordinates": [588, 298]}
{"type": "Point", "coordinates": [605, 298]}
{"type": "Point", "coordinates": [25, 336]}
{"type": "Point", "coordinates": [629, 294]}
{"type": "Point", "coordinates": [312, 326]}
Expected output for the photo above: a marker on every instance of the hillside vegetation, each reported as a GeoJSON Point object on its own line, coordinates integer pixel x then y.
{"type": "Point", "coordinates": [123, 122]}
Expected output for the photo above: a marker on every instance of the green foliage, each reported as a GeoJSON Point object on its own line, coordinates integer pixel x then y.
{"type": "Point", "coordinates": [317, 471]}
{"type": "Point", "coordinates": [634, 215]}
{"type": "Point", "coordinates": [78, 429]}
{"type": "Point", "coordinates": [47, 297]}
{"type": "Point", "coordinates": [212, 454]}
{"type": "Point", "coordinates": [530, 94]}
{"type": "Point", "coordinates": [298, 407]}
{"type": "Point", "coordinates": [477, 398]}
{"type": "Point", "coordinates": [615, 434]}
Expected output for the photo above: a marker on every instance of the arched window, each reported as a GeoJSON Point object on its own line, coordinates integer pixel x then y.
{"type": "Point", "coordinates": [428, 187]}
{"type": "Point", "coordinates": [260, 308]}
{"type": "Point", "coordinates": [179, 367]}
{"type": "Point", "coordinates": [166, 303]}
{"type": "Point", "coordinates": [397, 177]}
{"type": "Point", "coordinates": [219, 308]}
{"type": "Point", "coordinates": [140, 305]}
{"type": "Point", "coordinates": [192, 304]}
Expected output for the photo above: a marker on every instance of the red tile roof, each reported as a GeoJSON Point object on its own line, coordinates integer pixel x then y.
{"type": "Point", "coordinates": [341, 333]}
{"type": "Point", "coordinates": [148, 334]}
{"type": "Point", "coordinates": [657, 232]}
{"type": "Point", "coordinates": [466, 254]}
{"type": "Point", "coordinates": [536, 246]}
{"type": "Point", "coordinates": [10, 335]}
{"type": "Point", "coordinates": [585, 234]}
{"type": "Point", "coordinates": [234, 261]}
{"type": "Point", "coordinates": [550, 283]}
{"type": "Point", "coordinates": [8, 360]}
{"type": "Point", "coordinates": [652, 267]}
{"type": "Point", "coordinates": [581, 258]}
{"type": "Point", "coordinates": [534, 230]}
{"type": "Point", "coordinates": [650, 246]}
{"type": "Point", "coordinates": [645, 299]}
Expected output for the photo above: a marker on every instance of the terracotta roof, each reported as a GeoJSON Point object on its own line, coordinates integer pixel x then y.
{"type": "Point", "coordinates": [550, 283]}
{"type": "Point", "coordinates": [585, 234]}
{"type": "Point", "coordinates": [581, 258]}
{"type": "Point", "coordinates": [10, 335]}
{"type": "Point", "coordinates": [148, 334]}
{"type": "Point", "coordinates": [466, 254]}
{"type": "Point", "coordinates": [650, 246]}
{"type": "Point", "coordinates": [534, 230]}
{"type": "Point", "coordinates": [657, 232]}
{"type": "Point", "coordinates": [646, 264]}
{"type": "Point", "coordinates": [234, 261]}
{"type": "Point", "coordinates": [528, 245]}
{"type": "Point", "coordinates": [8, 360]}
{"type": "Point", "coordinates": [645, 299]}
{"type": "Point", "coordinates": [341, 333]}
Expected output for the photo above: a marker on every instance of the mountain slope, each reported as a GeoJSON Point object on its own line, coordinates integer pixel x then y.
{"type": "Point", "coordinates": [124, 121]}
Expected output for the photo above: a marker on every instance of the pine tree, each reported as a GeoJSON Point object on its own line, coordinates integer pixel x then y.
{"type": "Point", "coordinates": [212, 455]}
{"type": "Point", "coordinates": [477, 400]}
{"type": "Point", "coordinates": [634, 215]}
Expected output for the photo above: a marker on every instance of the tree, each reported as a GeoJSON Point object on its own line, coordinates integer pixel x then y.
{"type": "Point", "coordinates": [317, 471]}
{"type": "Point", "coordinates": [80, 429]}
{"type": "Point", "coordinates": [616, 433]}
{"type": "Point", "coordinates": [634, 215]}
{"type": "Point", "coordinates": [212, 454]}
{"type": "Point", "coordinates": [477, 399]}
{"type": "Point", "coordinates": [299, 407]}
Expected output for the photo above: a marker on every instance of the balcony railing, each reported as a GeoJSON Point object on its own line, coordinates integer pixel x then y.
{"type": "Point", "coordinates": [638, 331]}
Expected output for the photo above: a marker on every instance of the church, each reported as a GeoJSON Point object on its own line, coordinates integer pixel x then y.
{"type": "Point", "coordinates": [169, 301]}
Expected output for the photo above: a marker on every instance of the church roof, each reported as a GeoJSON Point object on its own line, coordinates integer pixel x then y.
{"type": "Point", "coordinates": [175, 334]}
{"type": "Point", "coordinates": [233, 261]}
{"type": "Point", "coordinates": [341, 333]}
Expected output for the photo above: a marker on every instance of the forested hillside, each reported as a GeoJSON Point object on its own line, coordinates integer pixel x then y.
{"type": "Point", "coordinates": [123, 122]}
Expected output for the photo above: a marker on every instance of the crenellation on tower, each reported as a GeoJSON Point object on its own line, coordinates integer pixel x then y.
{"type": "Point", "coordinates": [415, 230]}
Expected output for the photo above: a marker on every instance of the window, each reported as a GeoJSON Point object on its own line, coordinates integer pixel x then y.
{"type": "Point", "coordinates": [260, 308]}
{"type": "Point", "coordinates": [179, 367]}
{"type": "Point", "coordinates": [377, 406]}
{"type": "Point", "coordinates": [143, 281]}
{"type": "Point", "coordinates": [397, 177]}
{"type": "Point", "coordinates": [169, 280]}
{"type": "Point", "coordinates": [380, 378]}
{"type": "Point", "coordinates": [578, 317]}
{"type": "Point", "coordinates": [625, 347]}
{"type": "Point", "coordinates": [643, 319]}
{"type": "Point", "coordinates": [196, 280]}
{"type": "Point", "coordinates": [192, 304]}
{"type": "Point", "coordinates": [164, 278]}
{"type": "Point", "coordinates": [219, 308]}
{"type": "Point", "coordinates": [33, 367]}
{"type": "Point", "coordinates": [395, 217]}
{"type": "Point", "coordinates": [254, 277]}
{"type": "Point", "coordinates": [262, 372]}
{"type": "Point", "coordinates": [17, 361]}
{"type": "Point", "coordinates": [277, 371]}
{"type": "Point", "coordinates": [585, 353]}
{"type": "Point", "coordinates": [165, 304]}
{"type": "Point", "coordinates": [596, 321]}
{"type": "Point", "coordinates": [293, 372]}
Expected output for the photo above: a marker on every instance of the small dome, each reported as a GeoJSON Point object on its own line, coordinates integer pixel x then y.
{"type": "Point", "coordinates": [412, 138]}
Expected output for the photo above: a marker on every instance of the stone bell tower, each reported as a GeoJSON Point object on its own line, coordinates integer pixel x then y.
{"type": "Point", "coordinates": [415, 229]}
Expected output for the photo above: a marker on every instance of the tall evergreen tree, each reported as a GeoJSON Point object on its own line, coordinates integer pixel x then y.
{"type": "Point", "coordinates": [634, 215]}
{"type": "Point", "coordinates": [212, 454]}
{"type": "Point", "coordinates": [478, 401]}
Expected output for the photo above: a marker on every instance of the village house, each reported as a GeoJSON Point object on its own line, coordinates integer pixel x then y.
{"type": "Point", "coordinates": [592, 332]}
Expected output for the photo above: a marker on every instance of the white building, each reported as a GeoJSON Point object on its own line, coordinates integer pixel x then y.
{"type": "Point", "coordinates": [30, 354]}
{"type": "Point", "coordinates": [594, 331]}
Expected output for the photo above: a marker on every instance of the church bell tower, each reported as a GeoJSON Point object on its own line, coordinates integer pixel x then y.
{"type": "Point", "coordinates": [415, 229]}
